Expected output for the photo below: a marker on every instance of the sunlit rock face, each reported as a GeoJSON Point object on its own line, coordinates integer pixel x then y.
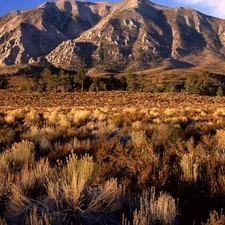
{"type": "Point", "coordinates": [68, 32]}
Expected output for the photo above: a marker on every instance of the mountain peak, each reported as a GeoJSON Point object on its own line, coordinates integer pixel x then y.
{"type": "Point", "coordinates": [131, 32]}
{"type": "Point", "coordinates": [141, 1]}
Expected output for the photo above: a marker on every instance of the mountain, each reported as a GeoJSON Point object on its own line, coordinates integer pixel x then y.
{"type": "Point", "coordinates": [132, 33]}
{"type": "Point", "coordinates": [27, 35]}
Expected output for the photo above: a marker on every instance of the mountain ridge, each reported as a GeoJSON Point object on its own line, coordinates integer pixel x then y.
{"type": "Point", "coordinates": [131, 33]}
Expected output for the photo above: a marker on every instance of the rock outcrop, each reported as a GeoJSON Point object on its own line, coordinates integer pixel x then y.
{"type": "Point", "coordinates": [132, 32]}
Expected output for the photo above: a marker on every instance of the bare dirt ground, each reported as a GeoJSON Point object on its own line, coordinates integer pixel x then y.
{"type": "Point", "coordinates": [107, 99]}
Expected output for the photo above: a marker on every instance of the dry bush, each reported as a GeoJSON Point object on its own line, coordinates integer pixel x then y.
{"type": "Point", "coordinates": [139, 139]}
{"type": "Point", "coordinates": [189, 166]}
{"type": "Point", "coordinates": [138, 125]}
{"type": "Point", "coordinates": [2, 222]}
{"type": "Point", "coordinates": [87, 204]}
{"type": "Point", "coordinates": [20, 156]}
{"type": "Point", "coordinates": [32, 117]}
{"type": "Point", "coordinates": [51, 115]}
{"type": "Point", "coordinates": [79, 116]}
{"type": "Point", "coordinates": [76, 175]}
{"type": "Point", "coordinates": [19, 206]}
{"type": "Point", "coordinates": [220, 136]}
{"type": "Point", "coordinates": [156, 210]}
{"type": "Point", "coordinates": [219, 112]}
{"type": "Point", "coordinates": [81, 144]}
{"type": "Point", "coordinates": [63, 121]}
{"type": "Point", "coordinates": [199, 163]}
{"type": "Point", "coordinates": [170, 112]}
{"type": "Point", "coordinates": [35, 219]}
{"type": "Point", "coordinates": [164, 134]}
{"type": "Point", "coordinates": [181, 120]}
{"type": "Point", "coordinates": [99, 114]}
{"type": "Point", "coordinates": [68, 187]}
{"type": "Point", "coordinates": [172, 142]}
{"type": "Point", "coordinates": [16, 114]}
{"type": "Point", "coordinates": [7, 137]}
{"type": "Point", "coordinates": [34, 179]}
{"type": "Point", "coordinates": [135, 165]}
{"type": "Point", "coordinates": [102, 129]}
{"type": "Point", "coordinates": [215, 219]}
{"type": "Point", "coordinates": [43, 137]}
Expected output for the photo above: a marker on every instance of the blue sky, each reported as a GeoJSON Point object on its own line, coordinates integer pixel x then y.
{"type": "Point", "coordinates": [209, 7]}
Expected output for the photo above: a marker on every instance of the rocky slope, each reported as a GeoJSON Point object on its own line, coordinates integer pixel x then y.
{"type": "Point", "coordinates": [27, 35]}
{"type": "Point", "coordinates": [135, 33]}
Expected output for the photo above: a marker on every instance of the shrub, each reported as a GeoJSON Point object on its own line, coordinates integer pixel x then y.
{"type": "Point", "coordinates": [164, 134]}
{"type": "Point", "coordinates": [189, 166]}
{"type": "Point", "coordinates": [15, 114]}
{"type": "Point", "coordinates": [76, 174]}
{"type": "Point", "coordinates": [19, 156]}
{"type": "Point", "coordinates": [87, 204]}
{"type": "Point", "coordinates": [32, 116]}
{"type": "Point", "coordinates": [2, 222]}
{"type": "Point", "coordinates": [156, 210]}
{"type": "Point", "coordinates": [215, 219]}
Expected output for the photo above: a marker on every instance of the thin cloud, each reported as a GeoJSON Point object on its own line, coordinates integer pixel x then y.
{"type": "Point", "coordinates": [215, 8]}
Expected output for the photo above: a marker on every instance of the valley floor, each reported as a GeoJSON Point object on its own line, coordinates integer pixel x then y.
{"type": "Point", "coordinates": [107, 99]}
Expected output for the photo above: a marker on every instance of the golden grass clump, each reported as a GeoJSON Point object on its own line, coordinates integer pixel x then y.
{"type": "Point", "coordinates": [63, 121]}
{"type": "Point", "coordinates": [32, 116]}
{"type": "Point", "coordinates": [157, 121]}
{"type": "Point", "coordinates": [19, 156]}
{"type": "Point", "coordinates": [189, 166]}
{"type": "Point", "coordinates": [163, 134]}
{"type": "Point", "coordinates": [15, 114]}
{"type": "Point", "coordinates": [138, 125]}
{"type": "Point", "coordinates": [220, 137]}
{"type": "Point", "coordinates": [156, 210]}
{"type": "Point", "coordinates": [79, 115]}
{"type": "Point", "coordinates": [181, 120]}
{"type": "Point", "coordinates": [215, 219]}
{"type": "Point", "coordinates": [74, 187]}
{"type": "Point", "coordinates": [19, 205]}
{"type": "Point", "coordinates": [75, 175]}
{"type": "Point", "coordinates": [139, 139]}
{"type": "Point", "coordinates": [219, 112]}
{"type": "Point", "coordinates": [131, 110]}
{"type": "Point", "coordinates": [106, 198]}
{"type": "Point", "coordinates": [169, 112]}
{"type": "Point", "coordinates": [99, 115]}
{"type": "Point", "coordinates": [81, 144]}
{"type": "Point", "coordinates": [35, 219]}
{"type": "Point", "coordinates": [52, 115]}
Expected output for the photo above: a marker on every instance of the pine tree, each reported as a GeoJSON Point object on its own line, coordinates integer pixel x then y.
{"type": "Point", "coordinates": [80, 77]}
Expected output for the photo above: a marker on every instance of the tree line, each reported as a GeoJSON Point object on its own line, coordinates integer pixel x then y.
{"type": "Point", "coordinates": [61, 80]}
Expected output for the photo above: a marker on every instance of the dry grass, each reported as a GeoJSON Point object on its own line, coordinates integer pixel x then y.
{"type": "Point", "coordinates": [20, 156]}
{"type": "Point", "coordinates": [79, 158]}
{"type": "Point", "coordinates": [215, 219]}
{"type": "Point", "coordinates": [156, 210]}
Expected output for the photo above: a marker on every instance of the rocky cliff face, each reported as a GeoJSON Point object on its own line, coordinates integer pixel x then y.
{"type": "Point", "coordinates": [27, 35]}
{"type": "Point", "coordinates": [132, 32]}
